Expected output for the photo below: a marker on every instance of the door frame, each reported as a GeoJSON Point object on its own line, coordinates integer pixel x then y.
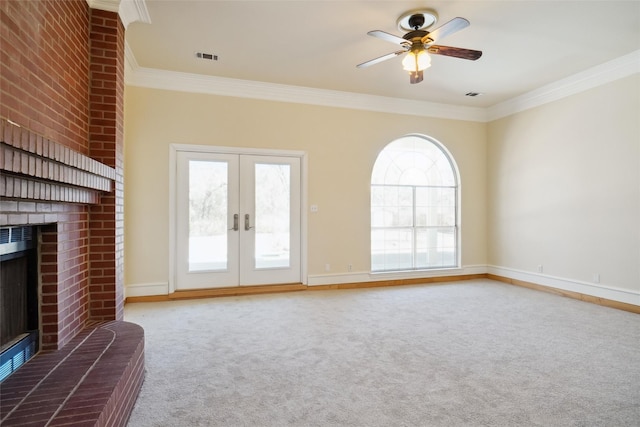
{"type": "Point", "coordinates": [173, 168]}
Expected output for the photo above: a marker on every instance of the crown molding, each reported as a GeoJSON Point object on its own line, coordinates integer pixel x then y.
{"type": "Point", "coordinates": [222, 86]}
{"type": "Point", "coordinates": [130, 62]}
{"type": "Point", "coordinates": [593, 77]}
{"type": "Point", "coordinates": [108, 5]}
{"type": "Point", "coordinates": [129, 10]}
{"type": "Point", "coordinates": [134, 11]}
{"type": "Point", "coordinates": [196, 83]}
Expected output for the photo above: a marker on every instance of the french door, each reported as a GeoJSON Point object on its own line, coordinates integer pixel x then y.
{"type": "Point", "coordinates": [238, 220]}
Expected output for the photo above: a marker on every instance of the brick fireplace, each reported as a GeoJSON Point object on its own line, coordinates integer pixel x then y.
{"type": "Point", "coordinates": [61, 124]}
{"type": "Point", "coordinates": [61, 164]}
{"type": "Point", "coordinates": [59, 192]}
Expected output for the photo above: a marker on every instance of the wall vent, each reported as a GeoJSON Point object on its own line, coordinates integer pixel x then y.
{"type": "Point", "coordinates": [208, 56]}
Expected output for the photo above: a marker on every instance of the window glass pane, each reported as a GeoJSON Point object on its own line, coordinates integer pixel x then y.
{"type": "Point", "coordinates": [378, 212]}
{"type": "Point", "coordinates": [435, 206]}
{"type": "Point", "coordinates": [377, 195]}
{"type": "Point", "coordinates": [391, 206]}
{"type": "Point", "coordinates": [447, 207]}
{"type": "Point", "coordinates": [397, 207]}
{"type": "Point", "coordinates": [207, 215]}
{"type": "Point", "coordinates": [435, 247]}
{"type": "Point", "coordinates": [391, 249]}
{"type": "Point", "coordinates": [272, 233]}
{"type": "Point", "coordinates": [412, 160]}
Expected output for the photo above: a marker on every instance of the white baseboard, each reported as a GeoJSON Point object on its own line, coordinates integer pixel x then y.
{"type": "Point", "coordinates": [593, 289]}
{"type": "Point", "coordinates": [146, 289]}
{"type": "Point", "coordinates": [365, 276]}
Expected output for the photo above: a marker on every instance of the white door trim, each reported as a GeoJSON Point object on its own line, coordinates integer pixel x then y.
{"type": "Point", "coordinates": [173, 164]}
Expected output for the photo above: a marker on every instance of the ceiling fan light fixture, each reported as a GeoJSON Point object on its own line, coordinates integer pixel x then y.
{"type": "Point", "coordinates": [416, 60]}
{"type": "Point", "coordinates": [418, 43]}
{"type": "Point", "coordinates": [416, 77]}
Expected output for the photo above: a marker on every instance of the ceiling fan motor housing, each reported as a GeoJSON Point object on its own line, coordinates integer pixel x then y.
{"type": "Point", "coordinates": [416, 21]}
{"type": "Point", "coordinates": [416, 34]}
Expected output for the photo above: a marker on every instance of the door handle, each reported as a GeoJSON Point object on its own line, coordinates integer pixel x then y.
{"type": "Point", "coordinates": [247, 227]}
{"type": "Point", "coordinates": [235, 222]}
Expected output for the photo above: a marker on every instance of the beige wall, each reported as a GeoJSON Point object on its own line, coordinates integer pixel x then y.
{"type": "Point", "coordinates": [341, 144]}
{"type": "Point", "coordinates": [564, 189]}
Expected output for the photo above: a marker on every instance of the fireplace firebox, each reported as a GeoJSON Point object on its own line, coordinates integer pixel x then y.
{"type": "Point", "coordinates": [19, 306]}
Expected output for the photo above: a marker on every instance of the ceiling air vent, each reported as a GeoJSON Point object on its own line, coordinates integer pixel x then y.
{"type": "Point", "coordinates": [208, 56]}
{"type": "Point", "coordinates": [472, 94]}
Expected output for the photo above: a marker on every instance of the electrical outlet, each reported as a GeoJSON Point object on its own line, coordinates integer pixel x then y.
{"type": "Point", "coordinates": [596, 278]}
{"type": "Point", "coordinates": [540, 268]}
{"type": "Point", "coordinates": [350, 267]}
{"type": "Point", "coordinates": [327, 267]}
{"type": "Point", "coordinates": [314, 208]}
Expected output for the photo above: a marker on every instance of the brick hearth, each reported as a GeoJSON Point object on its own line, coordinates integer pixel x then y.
{"type": "Point", "coordinates": [92, 381]}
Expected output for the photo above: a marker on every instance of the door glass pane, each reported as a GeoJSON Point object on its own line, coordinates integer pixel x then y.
{"type": "Point", "coordinates": [272, 222]}
{"type": "Point", "coordinates": [207, 215]}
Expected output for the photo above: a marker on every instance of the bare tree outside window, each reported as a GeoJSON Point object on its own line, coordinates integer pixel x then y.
{"type": "Point", "coordinates": [207, 215]}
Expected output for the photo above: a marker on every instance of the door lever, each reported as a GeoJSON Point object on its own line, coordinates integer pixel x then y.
{"type": "Point", "coordinates": [235, 222]}
{"type": "Point", "coordinates": [247, 227]}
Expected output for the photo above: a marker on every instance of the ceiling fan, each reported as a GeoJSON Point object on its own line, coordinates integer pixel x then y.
{"type": "Point", "coordinates": [418, 42]}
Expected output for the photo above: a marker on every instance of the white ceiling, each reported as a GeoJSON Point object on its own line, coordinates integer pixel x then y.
{"type": "Point", "coordinates": [317, 44]}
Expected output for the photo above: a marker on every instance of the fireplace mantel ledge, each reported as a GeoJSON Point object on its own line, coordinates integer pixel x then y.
{"type": "Point", "coordinates": [35, 168]}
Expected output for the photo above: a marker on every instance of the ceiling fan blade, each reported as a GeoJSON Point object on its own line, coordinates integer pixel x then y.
{"type": "Point", "coordinates": [456, 52]}
{"type": "Point", "coordinates": [388, 37]}
{"type": "Point", "coordinates": [456, 24]}
{"type": "Point", "coordinates": [380, 59]}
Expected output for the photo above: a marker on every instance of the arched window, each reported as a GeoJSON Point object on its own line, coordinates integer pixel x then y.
{"type": "Point", "coordinates": [414, 206]}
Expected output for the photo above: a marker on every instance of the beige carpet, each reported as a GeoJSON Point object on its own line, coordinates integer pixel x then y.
{"type": "Point", "coordinates": [473, 353]}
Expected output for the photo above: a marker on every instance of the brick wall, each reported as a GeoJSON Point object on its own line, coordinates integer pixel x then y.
{"type": "Point", "coordinates": [61, 83]}
{"type": "Point", "coordinates": [64, 286]}
{"type": "Point", "coordinates": [106, 137]}
{"type": "Point", "coordinates": [44, 68]}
